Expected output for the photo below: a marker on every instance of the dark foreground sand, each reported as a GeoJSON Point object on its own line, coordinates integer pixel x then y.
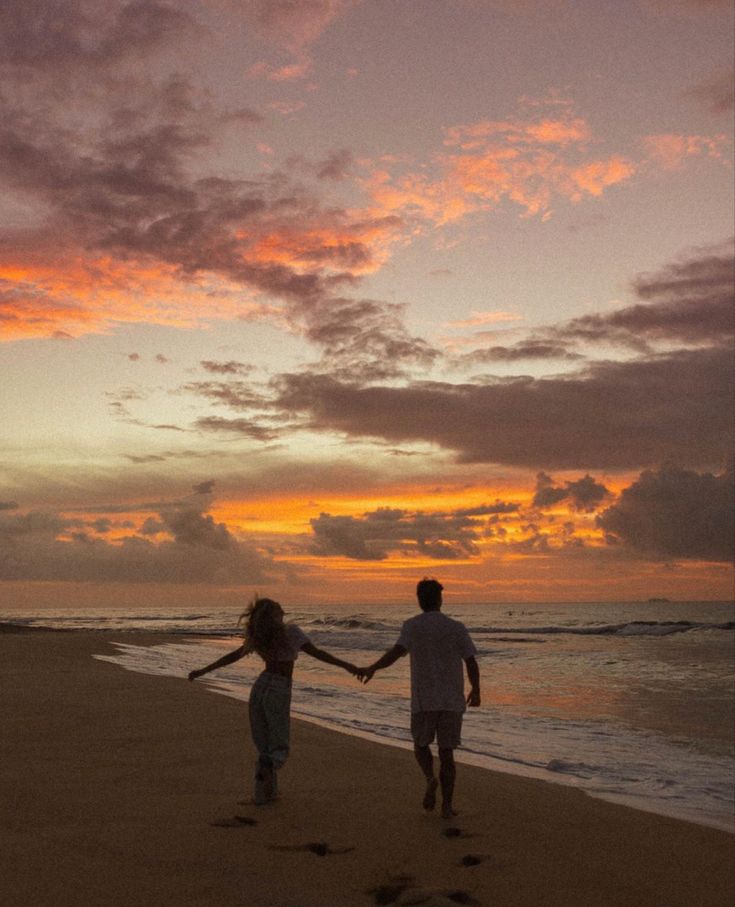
{"type": "Point", "coordinates": [112, 783]}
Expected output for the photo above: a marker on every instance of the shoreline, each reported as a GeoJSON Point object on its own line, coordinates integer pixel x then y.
{"type": "Point", "coordinates": [509, 767]}
{"type": "Point", "coordinates": [114, 781]}
{"type": "Point", "coordinates": [719, 815]}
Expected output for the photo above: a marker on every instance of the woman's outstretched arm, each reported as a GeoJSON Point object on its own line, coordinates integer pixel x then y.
{"type": "Point", "coordinates": [321, 655]}
{"type": "Point", "coordinates": [228, 659]}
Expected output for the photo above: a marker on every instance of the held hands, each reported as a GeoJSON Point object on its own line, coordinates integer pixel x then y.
{"type": "Point", "coordinates": [473, 699]}
{"type": "Point", "coordinates": [362, 674]}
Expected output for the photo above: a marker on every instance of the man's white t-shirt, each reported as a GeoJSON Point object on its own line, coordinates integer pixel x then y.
{"type": "Point", "coordinates": [437, 646]}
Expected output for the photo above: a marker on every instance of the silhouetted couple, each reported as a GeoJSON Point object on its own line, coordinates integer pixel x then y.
{"type": "Point", "coordinates": [438, 647]}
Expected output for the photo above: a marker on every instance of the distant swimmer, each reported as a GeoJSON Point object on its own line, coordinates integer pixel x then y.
{"type": "Point", "coordinates": [278, 644]}
{"type": "Point", "coordinates": [438, 646]}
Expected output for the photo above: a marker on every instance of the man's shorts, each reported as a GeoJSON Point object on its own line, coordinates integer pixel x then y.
{"type": "Point", "coordinates": [446, 726]}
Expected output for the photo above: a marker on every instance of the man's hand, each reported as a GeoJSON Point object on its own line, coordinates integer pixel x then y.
{"type": "Point", "coordinates": [365, 675]}
{"type": "Point", "coordinates": [473, 700]}
{"type": "Point", "coordinates": [194, 674]}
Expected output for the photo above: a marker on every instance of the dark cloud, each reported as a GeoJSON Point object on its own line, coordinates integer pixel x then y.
{"type": "Point", "coordinates": [152, 526]}
{"type": "Point", "coordinates": [547, 493]}
{"type": "Point", "coordinates": [584, 494]}
{"type": "Point", "coordinates": [675, 513]}
{"type": "Point", "coordinates": [691, 302]}
{"type": "Point", "coordinates": [164, 426]}
{"type": "Point", "coordinates": [717, 93]}
{"type": "Point", "coordinates": [193, 528]}
{"type": "Point", "coordinates": [238, 395]}
{"type": "Point", "coordinates": [135, 186]}
{"type": "Point", "coordinates": [610, 414]}
{"type": "Point", "coordinates": [194, 548]}
{"type": "Point", "coordinates": [167, 455]}
{"type": "Point", "coordinates": [335, 166]}
{"type": "Point", "coordinates": [524, 349]}
{"type": "Point", "coordinates": [379, 532]}
{"type": "Point", "coordinates": [487, 509]}
{"type": "Point", "coordinates": [204, 487]}
{"type": "Point", "coordinates": [49, 34]}
{"type": "Point", "coordinates": [225, 368]}
{"type": "Point", "coordinates": [365, 339]}
{"type": "Point", "coordinates": [245, 428]}
{"type": "Point", "coordinates": [8, 505]}
{"type": "Point", "coordinates": [126, 188]}
{"type": "Point", "coordinates": [294, 25]}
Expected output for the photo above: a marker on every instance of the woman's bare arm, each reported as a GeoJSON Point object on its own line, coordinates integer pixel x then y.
{"type": "Point", "coordinates": [228, 659]}
{"type": "Point", "coordinates": [321, 655]}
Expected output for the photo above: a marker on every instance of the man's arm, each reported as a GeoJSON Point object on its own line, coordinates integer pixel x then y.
{"type": "Point", "coordinates": [220, 663]}
{"type": "Point", "coordinates": [385, 661]}
{"type": "Point", "coordinates": [321, 655]}
{"type": "Point", "coordinates": [473, 675]}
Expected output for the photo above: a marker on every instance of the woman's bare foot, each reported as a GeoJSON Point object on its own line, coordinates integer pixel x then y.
{"type": "Point", "coordinates": [430, 796]}
{"type": "Point", "coordinates": [448, 812]}
{"type": "Point", "coordinates": [268, 779]}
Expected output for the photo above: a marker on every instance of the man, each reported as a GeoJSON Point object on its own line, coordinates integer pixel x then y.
{"type": "Point", "coordinates": [437, 645]}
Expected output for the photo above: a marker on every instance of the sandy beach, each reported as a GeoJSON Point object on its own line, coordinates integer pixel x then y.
{"type": "Point", "coordinates": [119, 788]}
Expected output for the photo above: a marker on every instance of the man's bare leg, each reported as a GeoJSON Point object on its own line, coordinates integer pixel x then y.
{"type": "Point", "coordinates": [447, 774]}
{"type": "Point", "coordinates": [426, 762]}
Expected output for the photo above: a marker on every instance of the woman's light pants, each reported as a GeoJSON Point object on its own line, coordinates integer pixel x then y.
{"type": "Point", "coordinates": [270, 708]}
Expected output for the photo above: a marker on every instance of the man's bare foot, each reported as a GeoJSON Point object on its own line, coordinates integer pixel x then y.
{"type": "Point", "coordinates": [448, 812]}
{"type": "Point", "coordinates": [430, 795]}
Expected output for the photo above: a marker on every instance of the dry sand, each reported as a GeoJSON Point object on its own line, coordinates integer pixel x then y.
{"type": "Point", "coordinates": [113, 783]}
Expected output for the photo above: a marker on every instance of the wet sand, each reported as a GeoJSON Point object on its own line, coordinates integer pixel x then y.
{"type": "Point", "coordinates": [122, 789]}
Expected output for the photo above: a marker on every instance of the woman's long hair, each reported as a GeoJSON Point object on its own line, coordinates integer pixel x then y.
{"type": "Point", "coordinates": [264, 628]}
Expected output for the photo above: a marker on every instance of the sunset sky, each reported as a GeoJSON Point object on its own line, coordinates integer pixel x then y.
{"type": "Point", "coordinates": [317, 297]}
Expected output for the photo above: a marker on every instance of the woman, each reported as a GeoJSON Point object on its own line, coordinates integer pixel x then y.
{"type": "Point", "coordinates": [278, 644]}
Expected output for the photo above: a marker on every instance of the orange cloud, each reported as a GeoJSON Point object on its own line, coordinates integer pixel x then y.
{"type": "Point", "coordinates": [670, 150]}
{"type": "Point", "coordinates": [287, 73]}
{"type": "Point", "coordinates": [437, 200]}
{"type": "Point", "coordinates": [595, 177]}
{"type": "Point", "coordinates": [546, 131]}
{"type": "Point", "coordinates": [480, 318]}
{"type": "Point", "coordinates": [292, 27]}
{"type": "Point", "coordinates": [517, 531]}
{"type": "Point", "coordinates": [527, 162]}
{"type": "Point", "coordinates": [47, 295]}
{"type": "Point", "coordinates": [360, 244]}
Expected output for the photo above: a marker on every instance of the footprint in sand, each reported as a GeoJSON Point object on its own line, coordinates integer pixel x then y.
{"type": "Point", "coordinates": [234, 822]}
{"type": "Point", "coordinates": [320, 848]}
{"type": "Point", "coordinates": [392, 890]}
{"type": "Point", "coordinates": [453, 832]}
{"type": "Point", "coordinates": [472, 859]}
{"type": "Point", "coordinates": [402, 892]}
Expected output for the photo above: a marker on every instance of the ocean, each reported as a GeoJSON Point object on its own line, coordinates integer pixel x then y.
{"type": "Point", "coordinates": [631, 702]}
